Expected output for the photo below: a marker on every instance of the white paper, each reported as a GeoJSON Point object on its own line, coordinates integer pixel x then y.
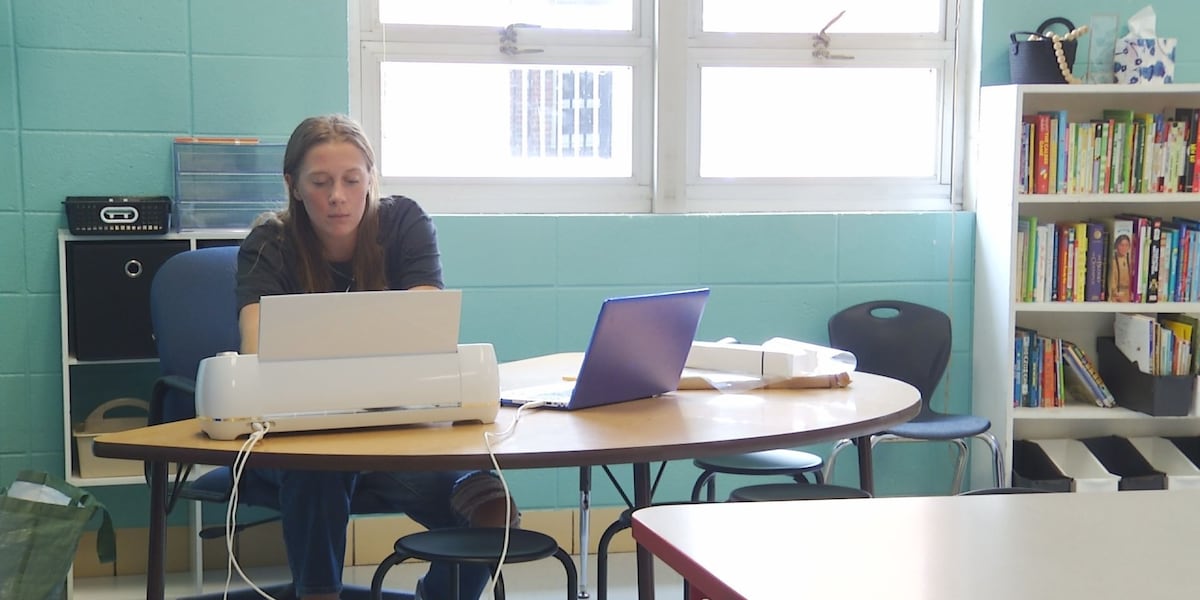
{"type": "Point", "coordinates": [35, 492]}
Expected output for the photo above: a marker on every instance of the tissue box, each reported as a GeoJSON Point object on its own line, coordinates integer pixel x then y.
{"type": "Point", "coordinates": [1145, 60]}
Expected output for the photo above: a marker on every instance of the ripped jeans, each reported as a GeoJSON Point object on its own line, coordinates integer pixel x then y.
{"type": "Point", "coordinates": [316, 508]}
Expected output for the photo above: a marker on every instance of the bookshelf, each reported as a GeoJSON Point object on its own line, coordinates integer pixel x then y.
{"type": "Point", "coordinates": [996, 195]}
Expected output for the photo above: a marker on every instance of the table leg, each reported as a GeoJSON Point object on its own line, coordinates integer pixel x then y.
{"type": "Point", "coordinates": [645, 560]}
{"type": "Point", "coordinates": [156, 561]}
{"type": "Point", "coordinates": [866, 468]}
{"type": "Point", "coordinates": [585, 520]}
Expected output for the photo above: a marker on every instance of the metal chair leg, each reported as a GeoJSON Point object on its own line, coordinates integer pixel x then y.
{"type": "Point", "coordinates": [999, 473]}
{"type": "Point", "coordinates": [706, 480]}
{"type": "Point", "coordinates": [960, 466]}
{"type": "Point", "coordinates": [385, 565]}
{"type": "Point", "coordinates": [837, 447]}
{"type": "Point", "coordinates": [569, 566]}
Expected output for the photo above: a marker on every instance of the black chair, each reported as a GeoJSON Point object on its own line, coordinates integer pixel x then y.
{"type": "Point", "coordinates": [481, 545]}
{"type": "Point", "coordinates": [910, 342]}
{"type": "Point", "coordinates": [193, 312]}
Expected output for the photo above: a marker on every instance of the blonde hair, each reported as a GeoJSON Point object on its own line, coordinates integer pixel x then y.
{"type": "Point", "coordinates": [368, 261]}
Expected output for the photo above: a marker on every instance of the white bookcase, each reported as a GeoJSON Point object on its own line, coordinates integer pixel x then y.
{"type": "Point", "coordinates": [995, 195]}
{"type": "Point", "coordinates": [110, 274]}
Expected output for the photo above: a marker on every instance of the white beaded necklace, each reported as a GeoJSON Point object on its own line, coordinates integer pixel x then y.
{"type": "Point", "coordinates": [1061, 56]}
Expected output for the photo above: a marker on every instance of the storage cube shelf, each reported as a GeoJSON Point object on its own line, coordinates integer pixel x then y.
{"type": "Point", "coordinates": [225, 186]}
{"type": "Point", "coordinates": [996, 194]}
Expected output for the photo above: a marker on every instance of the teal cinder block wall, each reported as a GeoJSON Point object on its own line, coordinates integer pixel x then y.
{"type": "Point", "coordinates": [92, 93]}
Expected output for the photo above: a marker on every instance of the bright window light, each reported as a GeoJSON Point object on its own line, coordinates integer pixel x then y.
{"type": "Point", "coordinates": [794, 16]}
{"type": "Point", "coordinates": [500, 120]}
{"type": "Point", "coordinates": [818, 122]}
{"type": "Point", "coordinates": [607, 15]}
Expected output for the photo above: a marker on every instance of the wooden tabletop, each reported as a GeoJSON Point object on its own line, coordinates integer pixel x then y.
{"type": "Point", "coordinates": [1099, 546]}
{"type": "Point", "coordinates": [678, 425]}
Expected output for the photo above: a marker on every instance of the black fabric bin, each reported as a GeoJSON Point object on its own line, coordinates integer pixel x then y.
{"type": "Point", "coordinates": [1118, 455]}
{"type": "Point", "coordinates": [1033, 469]}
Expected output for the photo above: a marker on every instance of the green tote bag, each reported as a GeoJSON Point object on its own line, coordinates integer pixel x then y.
{"type": "Point", "coordinates": [41, 521]}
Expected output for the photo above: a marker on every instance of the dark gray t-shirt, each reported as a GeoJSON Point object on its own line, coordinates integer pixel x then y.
{"type": "Point", "coordinates": [267, 263]}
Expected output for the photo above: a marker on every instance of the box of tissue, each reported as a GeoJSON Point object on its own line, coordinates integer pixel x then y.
{"type": "Point", "coordinates": [1141, 56]}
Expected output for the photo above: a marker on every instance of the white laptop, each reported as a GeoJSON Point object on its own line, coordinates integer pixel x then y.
{"type": "Point", "coordinates": [358, 324]}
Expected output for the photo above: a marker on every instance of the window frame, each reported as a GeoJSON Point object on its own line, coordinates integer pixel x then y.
{"type": "Point", "coordinates": [666, 106]}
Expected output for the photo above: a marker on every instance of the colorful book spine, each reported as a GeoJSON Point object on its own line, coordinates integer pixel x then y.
{"type": "Point", "coordinates": [1094, 274]}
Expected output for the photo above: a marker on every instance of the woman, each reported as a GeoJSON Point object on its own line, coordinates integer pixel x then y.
{"type": "Point", "coordinates": [338, 235]}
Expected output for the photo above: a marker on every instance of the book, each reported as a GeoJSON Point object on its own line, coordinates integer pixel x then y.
{"type": "Point", "coordinates": [1184, 329]}
{"type": "Point", "coordinates": [1077, 382]}
{"type": "Point", "coordinates": [1041, 158]}
{"type": "Point", "coordinates": [1191, 116]}
{"type": "Point", "coordinates": [1093, 288]}
{"type": "Point", "coordinates": [1119, 284]}
{"type": "Point", "coordinates": [1093, 374]}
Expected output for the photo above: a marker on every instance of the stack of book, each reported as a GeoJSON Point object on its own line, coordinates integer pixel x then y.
{"type": "Point", "coordinates": [1049, 372]}
{"type": "Point", "coordinates": [1123, 258]}
{"type": "Point", "coordinates": [1121, 152]}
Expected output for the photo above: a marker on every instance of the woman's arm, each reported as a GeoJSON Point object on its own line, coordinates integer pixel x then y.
{"type": "Point", "coordinates": [248, 326]}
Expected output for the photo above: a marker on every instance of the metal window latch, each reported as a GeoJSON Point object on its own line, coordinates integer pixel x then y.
{"type": "Point", "coordinates": [821, 42]}
{"type": "Point", "coordinates": [508, 40]}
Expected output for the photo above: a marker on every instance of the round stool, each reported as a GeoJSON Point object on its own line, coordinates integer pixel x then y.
{"type": "Point", "coordinates": [475, 545]}
{"type": "Point", "coordinates": [793, 463]}
{"type": "Point", "coordinates": [794, 491]}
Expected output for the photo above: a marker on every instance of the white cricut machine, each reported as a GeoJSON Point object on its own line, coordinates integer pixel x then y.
{"type": "Point", "coordinates": [361, 359]}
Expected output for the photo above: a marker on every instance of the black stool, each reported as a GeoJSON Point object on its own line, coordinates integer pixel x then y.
{"type": "Point", "coordinates": [623, 522]}
{"type": "Point", "coordinates": [769, 492]}
{"type": "Point", "coordinates": [791, 463]}
{"type": "Point", "coordinates": [476, 545]}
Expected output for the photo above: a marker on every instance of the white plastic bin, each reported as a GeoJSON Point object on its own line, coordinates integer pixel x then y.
{"type": "Point", "coordinates": [1166, 457]}
{"type": "Point", "coordinates": [1078, 463]}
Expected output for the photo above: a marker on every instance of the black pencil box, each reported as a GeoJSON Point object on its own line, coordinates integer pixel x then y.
{"type": "Point", "coordinates": [106, 215]}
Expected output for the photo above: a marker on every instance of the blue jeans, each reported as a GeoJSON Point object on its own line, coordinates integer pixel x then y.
{"type": "Point", "coordinates": [316, 507]}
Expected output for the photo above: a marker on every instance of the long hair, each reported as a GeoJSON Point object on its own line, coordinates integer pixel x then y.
{"type": "Point", "coordinates": [312, 269]}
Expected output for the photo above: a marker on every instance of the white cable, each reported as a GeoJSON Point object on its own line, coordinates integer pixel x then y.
{"type": "Point", "coordinates": [239, 465]}
{"type": "Point", "coordinates": [487, 441]}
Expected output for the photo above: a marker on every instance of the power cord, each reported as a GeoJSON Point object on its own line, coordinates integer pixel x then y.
{"type": "Point", "coordinates": [239, 465]}
{"type": "Point", "coordinates": [487, 441]}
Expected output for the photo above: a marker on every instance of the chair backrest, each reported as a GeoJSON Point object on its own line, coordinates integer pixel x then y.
{"type": "Point", "coordinates": [896, 339]}
{"type": "Point", "coordinates": [193, 311]}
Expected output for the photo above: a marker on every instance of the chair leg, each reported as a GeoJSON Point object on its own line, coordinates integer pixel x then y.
{"type": "Point", "coordinates": [960, 466]}
{"type": "Point", "coordinates": [838, 446]}
{"type": "Point", "coordinates": [385, 565]}
{"type": "Point", "coordinates": [999, 474]}
{"type": "Point", "coordinates": [706, 479]}
{"type": "Point", "coordinates": [569, 567]}
{"type": "Point", "coordinates": [602, 558]}
{"type": "Point", "coordinates": [498, 589]}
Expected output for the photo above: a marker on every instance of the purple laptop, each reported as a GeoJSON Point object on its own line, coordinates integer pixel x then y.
{"type": "Point", "coordinates": [638, 349]}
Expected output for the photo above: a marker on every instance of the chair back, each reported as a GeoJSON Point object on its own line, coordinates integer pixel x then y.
{"type": "Point", "coordinates": [193, 312]}
{"type": "Point", "coordinates": [896, 339]}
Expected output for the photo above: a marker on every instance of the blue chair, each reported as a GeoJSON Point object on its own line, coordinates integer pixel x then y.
{"type": "Point", "coordinates": [193, 312]}
{"type": "Point", "coordinates": [910, 342]}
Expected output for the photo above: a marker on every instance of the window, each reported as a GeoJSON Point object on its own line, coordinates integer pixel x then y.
{"type": "Point", "coordinates": [640, 106]}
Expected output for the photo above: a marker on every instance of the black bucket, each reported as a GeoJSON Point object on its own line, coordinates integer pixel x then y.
{"type": "Point", "coordinates": [1033, 61]}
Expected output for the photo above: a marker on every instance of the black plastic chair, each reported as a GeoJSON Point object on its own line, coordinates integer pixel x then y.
{"type": "Point", "coordinates": [193, 311]}
{"type": "Point", "coordinates": [476, 545]}
{"type": "Point", "coordinates": [910, 342]}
